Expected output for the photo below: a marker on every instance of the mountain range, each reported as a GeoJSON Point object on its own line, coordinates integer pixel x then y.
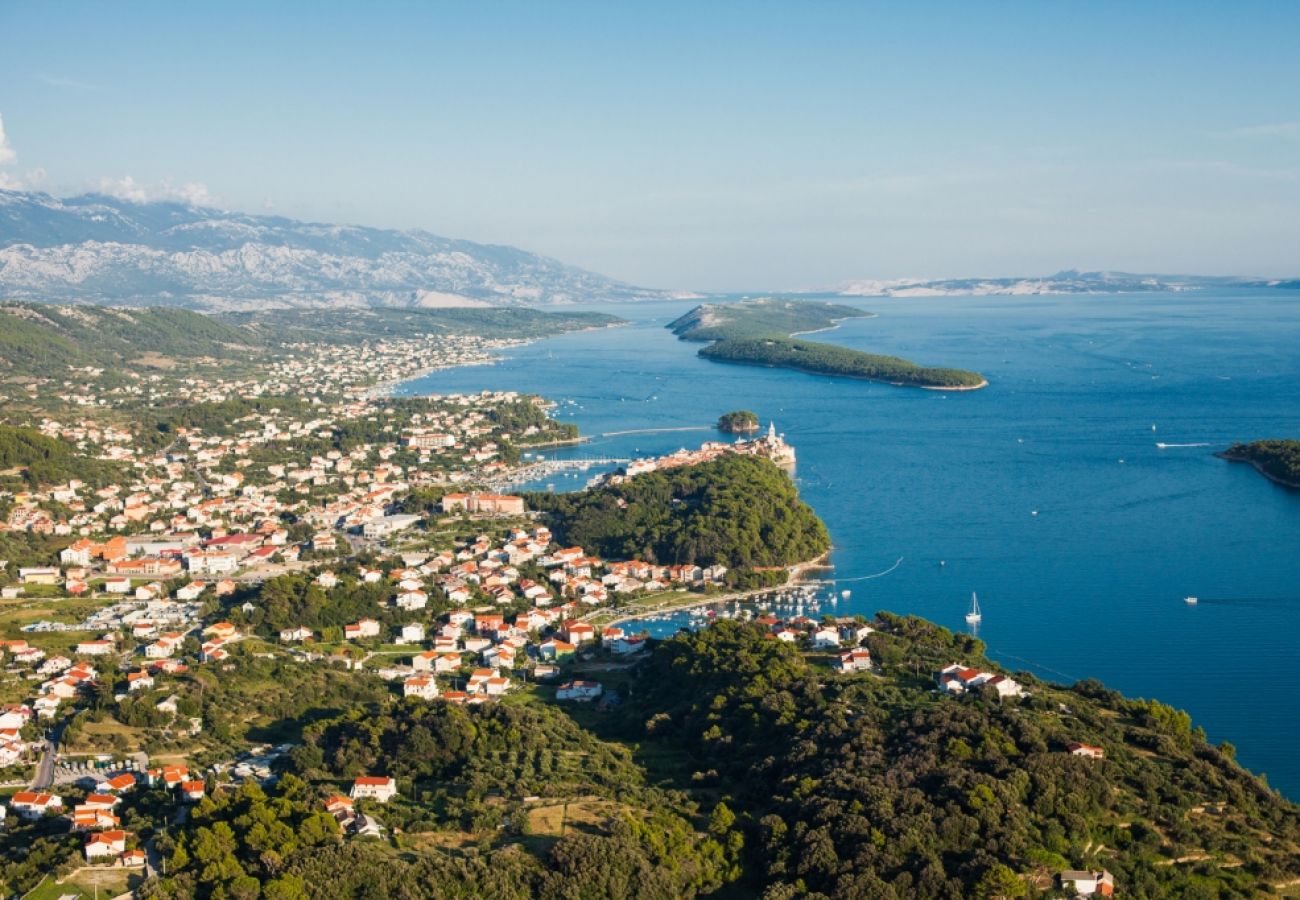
{"type": "Point", "coordinates": [95, 248]}
{"type": "Point", "coordinates": [1066, 282]}
{"type": "Point", "coordinates": [99, 249]}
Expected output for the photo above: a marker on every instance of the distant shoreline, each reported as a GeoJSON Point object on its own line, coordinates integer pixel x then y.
{"type": "Point", "coordinates": [1258, 467]}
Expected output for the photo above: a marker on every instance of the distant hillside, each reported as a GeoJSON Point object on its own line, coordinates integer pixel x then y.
{"type": "Point", "coordinates": [1067, 282]}
{"type": "Point", "coordinates": [98, 249]}
{"type": "Point", "coordinates": [42, 340]}
{"type": "Point", "coordinates": [346, 326]}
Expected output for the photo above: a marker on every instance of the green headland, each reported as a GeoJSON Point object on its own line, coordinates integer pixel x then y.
{"type": "Point", "coordinates": [762, 332]}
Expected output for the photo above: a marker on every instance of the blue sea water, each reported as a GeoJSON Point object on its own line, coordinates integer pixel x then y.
{"type": "Point", "coordinates": [1091, 586]}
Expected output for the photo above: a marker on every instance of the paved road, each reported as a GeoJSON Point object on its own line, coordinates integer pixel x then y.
{"type": "Point", "coordinates": [45, 768]}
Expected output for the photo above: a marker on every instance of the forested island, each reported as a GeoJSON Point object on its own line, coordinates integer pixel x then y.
{"type": "Point", "coordinates": [740, 421]}
{"type": "Point", "coordinates": [762, 332]}
{"type": "Point", "coordinates": [1277, 460]}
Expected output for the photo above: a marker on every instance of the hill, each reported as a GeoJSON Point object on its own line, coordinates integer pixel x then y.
{"type": "Point", "coordinates": [760, 318]}
{"type": "Point", "coordinates": [44, 340]}
{"type": "Point", "coordinates": [99, 249]}
{"type": "Point", "coordinates": [737, 511]}
{"type": "Point", "coordinates": [41, 339]}
{"type": "Point", "coordinates": [351, 326]}
{"type": "Point", "coordinates": [874, 785]}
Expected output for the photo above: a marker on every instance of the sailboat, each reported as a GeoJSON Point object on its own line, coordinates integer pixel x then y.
{"type": "Point", "coordinates": [973, 617]}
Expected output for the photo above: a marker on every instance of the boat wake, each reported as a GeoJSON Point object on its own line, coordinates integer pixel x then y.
{"type": "Point", "coordinates": [869, 577]}
{"type": "Point", "coordinates": [656, 430]}
{"type": "Point", "coordinates": [1163, 446]}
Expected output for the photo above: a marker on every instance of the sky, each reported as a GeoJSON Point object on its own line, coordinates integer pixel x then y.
{"type": "Point", "coordinates": [709, 146]}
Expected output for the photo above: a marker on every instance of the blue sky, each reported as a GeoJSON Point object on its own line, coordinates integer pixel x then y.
{"type": "Point", "coordinates": [692, 145]}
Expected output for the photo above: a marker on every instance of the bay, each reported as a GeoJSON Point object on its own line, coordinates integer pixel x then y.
{"type": "Point", "coordinates": [1090, 586]}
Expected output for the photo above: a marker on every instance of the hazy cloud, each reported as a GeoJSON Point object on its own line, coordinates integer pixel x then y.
{"type": "Point", "coordinates": [7, 155]}
{"type": "Point", "coordinates": [127, 188]}
{"type": "Point", "coordinates": [1274, 130]}
{"type": "Point", "coordinates": [62, 82]}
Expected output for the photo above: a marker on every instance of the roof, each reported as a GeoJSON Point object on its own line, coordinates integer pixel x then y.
{"type": "Point", "coordinates": [374, 780]}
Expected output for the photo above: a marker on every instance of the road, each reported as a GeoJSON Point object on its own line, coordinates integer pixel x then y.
{"type": "Point", "coordinates": [45, 768]}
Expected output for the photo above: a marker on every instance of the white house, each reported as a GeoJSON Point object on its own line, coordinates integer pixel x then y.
{"type": "Point", "coordinates": [378, 788]}
{"type": "Point", "coordinates": [289, 635]}
{"type": "Point", "coordinates": [422, 686]}
{"type": "Point", "coordinates": [825, 638]}
{"type": "Point", "coordinates": [106, 843]}
{"type": "Point", "coordinates": [412, 600]}
{"type": "Point", "coordinates": [32, 805]}
{"type": "Point", "coordinates": [95, 648]}
{"type": "Point", "coordinates": [363, 629]}
{"type": "Point", "coordinates": [1088, 884]}
{"type": "Point", "coordinates": [582, 691]}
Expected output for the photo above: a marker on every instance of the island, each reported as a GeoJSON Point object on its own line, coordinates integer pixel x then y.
{"type": "Point", "coordinates": [764, 332]}
{"type": "Point", "coordinates": [1278, 460]}
{"type": "Point", "coordinates": [740, 421]}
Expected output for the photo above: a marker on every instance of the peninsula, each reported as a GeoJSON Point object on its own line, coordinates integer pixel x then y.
{"type": "Point", "coordinates": [1276, 460]}
{"type": "Point", "coordinates": [763, 332]}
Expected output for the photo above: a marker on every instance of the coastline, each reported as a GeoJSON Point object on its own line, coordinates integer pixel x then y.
{"type": "Point", "coordinates": [902, 384]}
{"type": "Point", "coordinates": [796, 576]}
{"type": "Point", "coordinates": [835, 323]}
{"type": "Point", "coordinates": [386, 388]}
{"type": "Point", "coordinates": [1258, 467]}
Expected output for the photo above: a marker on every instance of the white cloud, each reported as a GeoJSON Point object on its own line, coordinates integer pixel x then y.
{"type": "Point", "coordinates": [127, 188]}
{"type": "Point", "coordinates": [7, 155]}
{"type": "Point", "coordinates": [74, 84]}
{"type": "Point", "coordinates": [1272, 130]}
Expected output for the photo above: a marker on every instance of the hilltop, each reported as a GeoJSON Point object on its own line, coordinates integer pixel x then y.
{"type": "Point", "coordinates": [99, 249]}
{"type": "Point", "coordinates": [760, 318]}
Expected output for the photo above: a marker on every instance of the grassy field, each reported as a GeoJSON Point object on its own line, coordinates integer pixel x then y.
{"type": "Point", "coordinates": [99, 737]}
{"type": "Point", "coordinates": [88, 884]}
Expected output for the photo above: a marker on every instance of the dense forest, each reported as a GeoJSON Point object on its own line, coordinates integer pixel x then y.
{"type": "Point", "coordinates": [740, 766]}
{"type": "Point", "coordinates": [870, 786]}
{"type": "Point", "coordinates": [29, 458]}
{"type": "Point", "coordinates": [761, 332]}
{"type": "Point", "coordinates": [828, 359]}
{"type": "Point", "coordinates": [460, 772]}
{"type": "Point", "coordinates": [737, 511]}
{"type": "Point", "coordinates": [738, 422]}
{"type": "Point", "coordinates": [1277, 459]}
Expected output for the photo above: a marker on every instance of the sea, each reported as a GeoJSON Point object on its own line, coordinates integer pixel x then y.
{"type": "Point", "coordinates": [1045, 492]}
